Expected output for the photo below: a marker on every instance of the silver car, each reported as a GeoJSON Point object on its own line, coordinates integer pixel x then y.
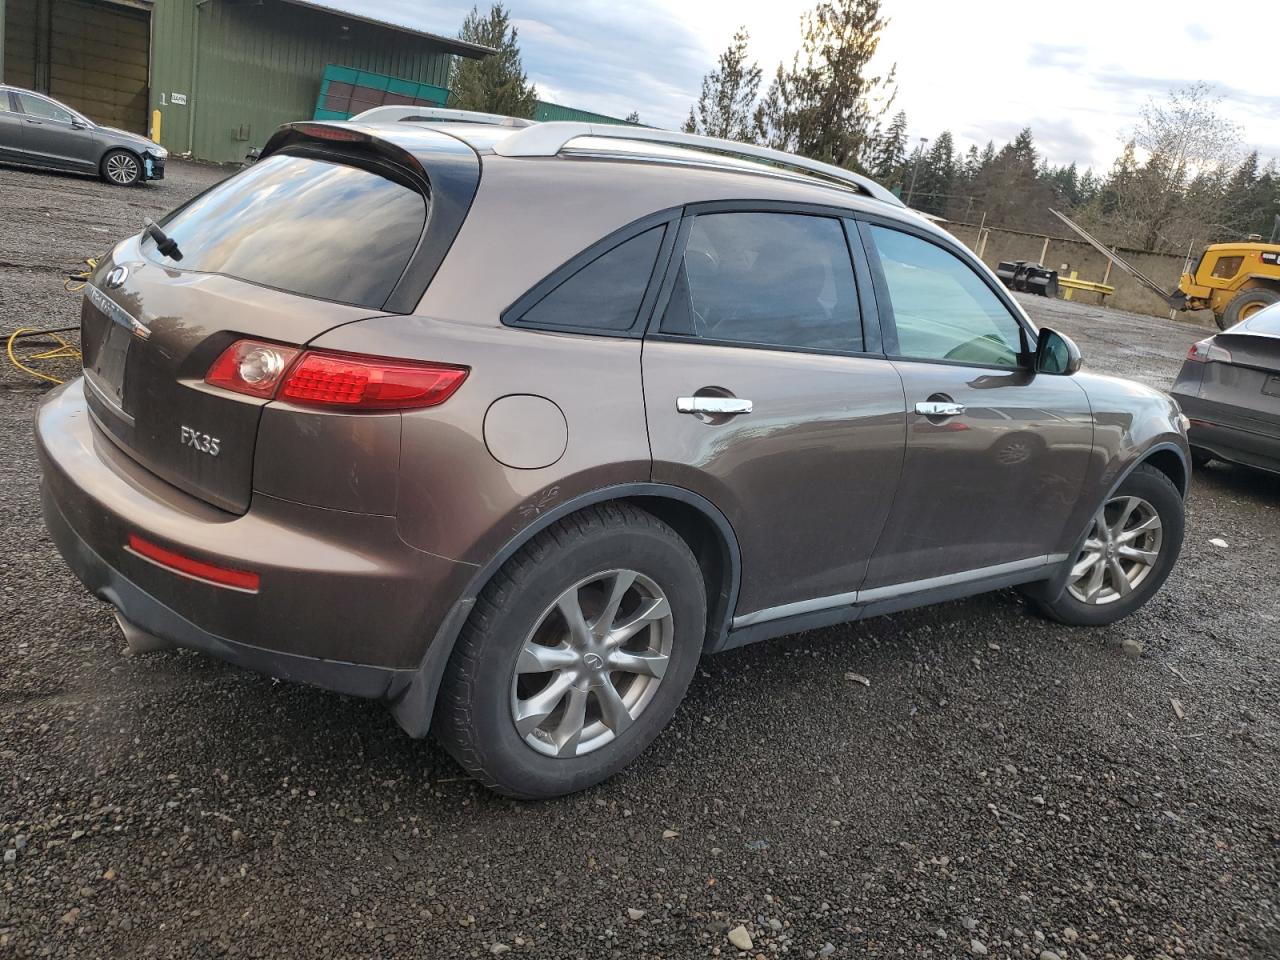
{"type": "Point", "coordinates": [38, 131]}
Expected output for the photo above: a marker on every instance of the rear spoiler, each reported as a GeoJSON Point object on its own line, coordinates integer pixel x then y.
{"type": "Point", "coordinates": [309, 131]}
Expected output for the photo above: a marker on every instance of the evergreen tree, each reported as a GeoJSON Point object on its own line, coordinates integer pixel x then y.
{"type": "Point", "coordinates": [826, 105]}
{"type": "Point", "coordinates": [889, 157]}
{"type": "Point", "coordinates": [496, 83]}
{"type": "Point", "coordinates": [726, 105]}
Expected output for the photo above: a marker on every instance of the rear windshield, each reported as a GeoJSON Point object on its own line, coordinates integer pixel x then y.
{"type": "Point", "coordinates": [306, 225]}
{"type": "Point", "coordinates": [1265, 321]}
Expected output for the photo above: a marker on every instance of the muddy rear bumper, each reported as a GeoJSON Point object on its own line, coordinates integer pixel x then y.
{"type": "Point", "coordinates": [150, 615]}
{"type": "Point", "coordinates": [343, 603]}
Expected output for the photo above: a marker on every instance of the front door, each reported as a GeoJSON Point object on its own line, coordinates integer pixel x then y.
{"type": "Point", "coordinates": [996, 453]}
{"type": "Point", "coordinates": [762, 397]}
{"type": "Point", "coordinates": [55, 136]}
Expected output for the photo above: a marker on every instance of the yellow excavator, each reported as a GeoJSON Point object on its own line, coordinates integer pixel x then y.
{"type": "Point", "coordinates": [1234, 280]}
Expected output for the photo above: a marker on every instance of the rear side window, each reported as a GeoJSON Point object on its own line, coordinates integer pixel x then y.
{"type": "Point", "coordinates": [768, 279]}
{"type": "Point", "coordinates": [605, 294]}
{"type": "Point", "coordinates": [311, 226]}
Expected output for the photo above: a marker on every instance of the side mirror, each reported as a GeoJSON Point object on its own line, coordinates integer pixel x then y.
{"type": "Point", "coordinates": [1056, 353]}
{"type": "Point", "coordinates": [79, 125]}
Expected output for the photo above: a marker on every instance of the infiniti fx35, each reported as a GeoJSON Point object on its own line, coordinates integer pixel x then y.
{"type": "Point", "coordinates": [507, 425]}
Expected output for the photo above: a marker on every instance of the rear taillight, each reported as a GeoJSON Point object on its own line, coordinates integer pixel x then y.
{"type": "Point", "coordinates": [318, 378]}
{"type": "Point", "coordinates": [1206, 350]}
{"type": "Point", "coordinates": [254, 367]}
{"type": "Point", "coordinates": [369, 383]}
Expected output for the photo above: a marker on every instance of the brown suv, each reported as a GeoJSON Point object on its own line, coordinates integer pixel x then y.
{"type": "Point", "coordinates": [507, 425]}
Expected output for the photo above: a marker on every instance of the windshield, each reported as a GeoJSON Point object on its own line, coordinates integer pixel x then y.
{"type": "Point", "coordinates": [312, 226]}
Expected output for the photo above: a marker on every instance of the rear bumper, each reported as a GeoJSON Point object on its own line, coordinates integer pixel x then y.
{"type": "Point", "coordinates": [152, 616]}
{"type": "Point", "coordinates": [343, 602]}
{"type": "Point", "coordinates": [1231, 434]}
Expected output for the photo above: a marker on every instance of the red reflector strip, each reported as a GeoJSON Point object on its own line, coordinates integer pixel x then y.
{"type": "Point", "coordinates": [190, 567]}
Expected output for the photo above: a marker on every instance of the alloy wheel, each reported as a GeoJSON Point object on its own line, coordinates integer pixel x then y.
{"type": "Point", "coordinates": [1119, 553]}
{"type": "Point", "coordinates": [592, 664]}
{"type": "Point", "coordinates": [122, 169]}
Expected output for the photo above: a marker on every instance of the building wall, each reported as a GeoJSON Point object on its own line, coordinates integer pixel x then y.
{"type": "Point", "coordinates": [1164, 269]}
{"type": "Point", "coordinates": [545, 110]}
{"type": "Point", "coordinates": [246, 69]}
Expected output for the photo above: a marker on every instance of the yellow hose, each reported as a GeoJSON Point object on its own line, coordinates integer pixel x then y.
{"type": "Point", "coordinates": [64, 350]}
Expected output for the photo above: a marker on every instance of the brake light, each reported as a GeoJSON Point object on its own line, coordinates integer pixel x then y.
{"type": "Point", "coordinates": [353, 382]}
{"type": "Point", "coordinates": [191, 567]}
{"type": "Point", "coordinates": [1206, 351]}
{"type": "Point", "coordinates": [252, 367]}
{"type": "Point", "coordinates": [320, 378]}
{"type": "Point", "coordinates": [324, 132]}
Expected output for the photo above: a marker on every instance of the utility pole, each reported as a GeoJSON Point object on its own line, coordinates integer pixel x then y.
{"type": "Point", "coordinates": [916, 169]}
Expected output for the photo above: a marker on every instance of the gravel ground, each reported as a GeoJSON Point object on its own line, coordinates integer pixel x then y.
{"type": "Point", "coordinates": [1002, 787]}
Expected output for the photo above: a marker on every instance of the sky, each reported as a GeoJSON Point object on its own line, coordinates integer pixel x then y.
{"type": "Point", "coordinates": [975, 67]}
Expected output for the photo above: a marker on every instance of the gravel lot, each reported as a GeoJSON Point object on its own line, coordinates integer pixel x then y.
{"type": "Point", "coordinates": [1003, 787]}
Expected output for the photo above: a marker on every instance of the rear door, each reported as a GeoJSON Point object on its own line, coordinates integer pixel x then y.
{"type": "Point", "coordinates": [995, 453]}
{"type": "Point", "coordinates": [765, 395]}
{"type": "Point", "coordinates": [11, 128]}
{"type": "Point", "coordinates": [294, 246]}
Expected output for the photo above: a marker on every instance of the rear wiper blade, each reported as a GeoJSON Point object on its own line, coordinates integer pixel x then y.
{"type": "Point", "coordinates": [167, 246]}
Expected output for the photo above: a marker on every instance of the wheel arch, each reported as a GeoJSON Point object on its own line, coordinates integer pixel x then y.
{"type": "Point", "coordinates": [698, 521]}
{"type": "Point", "coordinates": [118, 148]}
{"type": "Point", "coordinates": [1168, 458]}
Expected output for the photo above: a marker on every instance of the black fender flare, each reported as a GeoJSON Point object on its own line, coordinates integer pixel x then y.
{"type": "Point", "coordinates": [412, 702]}
{"type": "Point", "coordinates": [1051, 588]}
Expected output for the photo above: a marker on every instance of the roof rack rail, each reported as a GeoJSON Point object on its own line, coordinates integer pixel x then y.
{"type": "Point", "coordinates": [549, 138]}
{"type": "Point", "coordinates": [395, 114]}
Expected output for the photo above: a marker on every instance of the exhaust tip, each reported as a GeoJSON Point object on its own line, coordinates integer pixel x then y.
{"type": "Point", "coordinates": [138, 641]}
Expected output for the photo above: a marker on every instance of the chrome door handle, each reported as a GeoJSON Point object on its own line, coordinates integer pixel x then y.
{"type": "Point", "coordinates": [932, 408]}
{"type": "Point", "coordinates": [722, 405]}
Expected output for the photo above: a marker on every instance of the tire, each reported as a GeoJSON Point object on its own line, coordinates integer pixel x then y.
{"type": "Point", "coordinates": [517, 623]}
{"type": "Point", "coordinates": [1157, 492]}
{"type": "Point", "coordinates": [1245, 304]}
{"type": "Point", "coordinates": [1200, 457]}
{"type": "Point", "coordinates": [120, 168]}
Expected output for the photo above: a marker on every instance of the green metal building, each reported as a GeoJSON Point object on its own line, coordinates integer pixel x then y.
{"type": "Point", "coordinates": [219, 75]}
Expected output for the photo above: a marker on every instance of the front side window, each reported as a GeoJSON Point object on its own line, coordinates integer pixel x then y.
{"type": "Point", "coordinates": [317, 227]}
{"type": "Point", "coordinates": [941, 307]}
{"type": "Point", "coordinates": [605, 294]}
{"type": "Point", "coordinates": [44, 109]}
{"type": "Point", "coordinates": [769, 279]}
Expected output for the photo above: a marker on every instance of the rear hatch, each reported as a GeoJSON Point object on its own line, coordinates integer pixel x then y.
{"type": "Point", "coordinates": [328, 229]}
{"type": "Point", "coordinates": [1250, 381]}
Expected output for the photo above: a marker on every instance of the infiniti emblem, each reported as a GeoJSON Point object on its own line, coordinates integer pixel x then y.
{"type": "Point", "coordinates": [117, 277]}
{"type": "Point", "coordinates": [593, 660]}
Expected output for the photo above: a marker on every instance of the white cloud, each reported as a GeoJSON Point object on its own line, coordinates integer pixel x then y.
{"type": "Point", "coordinates": [975, 68]}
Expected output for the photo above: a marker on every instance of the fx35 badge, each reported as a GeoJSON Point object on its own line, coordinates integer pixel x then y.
{"type": "Point", "coordinates": [201, 441]}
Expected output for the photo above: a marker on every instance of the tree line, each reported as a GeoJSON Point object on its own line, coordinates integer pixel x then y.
{"type": "Point", "coordinates": [1182, 177]}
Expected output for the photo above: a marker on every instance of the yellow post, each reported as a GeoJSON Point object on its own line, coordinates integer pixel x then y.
{"type": "Point", "coordinates": [1067, 295]}
{"type": "Point", "coordinates": [155, 126]}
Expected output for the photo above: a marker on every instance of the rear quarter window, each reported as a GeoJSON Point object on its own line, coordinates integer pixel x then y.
{"type": "Point", "coordinates": [317, 227]}
{"type": "Point", "coordinates": [604, 295]}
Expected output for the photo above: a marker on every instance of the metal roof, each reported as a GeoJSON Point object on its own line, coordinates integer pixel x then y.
{"type": "Point", "coordinates": [462, 48]}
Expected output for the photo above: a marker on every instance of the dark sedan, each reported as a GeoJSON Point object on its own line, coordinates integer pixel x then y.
{"type": "Point", "coordinates": [38, 131]}
{"type": "Point", "coordinates": [1229, 387]}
